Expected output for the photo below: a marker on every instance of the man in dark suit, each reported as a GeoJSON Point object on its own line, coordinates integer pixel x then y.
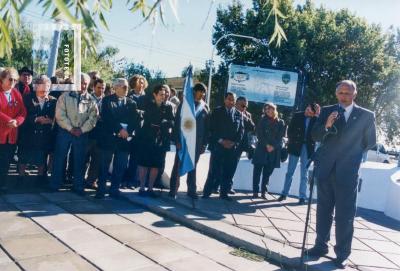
{"type": "Point", "coordinates": [300, 146]}
{"type": "Point", "coordinates": [202, 113]}
{"type": "Point", "coordinates": [345, 131]}
{"type": "Point", "coordinates": [227, 131]}
{"type": "Point", "coordinates": [120, 119]}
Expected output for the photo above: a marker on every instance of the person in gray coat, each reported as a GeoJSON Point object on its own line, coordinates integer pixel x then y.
{"type": "Point", "coordinates": [270, 131]}
{"type": "Point", "coordinates": [345, 131]}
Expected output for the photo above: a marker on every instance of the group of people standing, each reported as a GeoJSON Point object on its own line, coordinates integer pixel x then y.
{"type": "Point", "coordinates": [130, 132]}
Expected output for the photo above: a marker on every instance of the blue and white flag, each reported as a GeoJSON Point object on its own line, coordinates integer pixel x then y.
{"type": "Point", "coordinates": [188, 126]}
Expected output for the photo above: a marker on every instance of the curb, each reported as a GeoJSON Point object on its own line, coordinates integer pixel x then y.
{"type": "Point", "coordinates": [272, 250]}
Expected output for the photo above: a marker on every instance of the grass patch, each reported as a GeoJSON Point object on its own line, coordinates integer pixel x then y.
{"type": "Point", "coordinates": [240, 252]}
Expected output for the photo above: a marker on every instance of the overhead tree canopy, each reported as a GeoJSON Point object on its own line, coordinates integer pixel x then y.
{"type": "Point", "coordinates": [326, 46]}
{"type": "Point", "coordinates": [91, 15]}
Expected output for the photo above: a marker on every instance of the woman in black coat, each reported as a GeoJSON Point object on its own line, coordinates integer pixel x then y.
{"type": "Point", "coordinates": [270, 132]}
{"type": "Point", "coordinates": [36, 140]}
{"type": "Point", "coordinates": [153, 139]}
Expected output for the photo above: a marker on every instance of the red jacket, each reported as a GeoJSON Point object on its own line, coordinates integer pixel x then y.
{"type": "Point", "coordinates": [8, 111]}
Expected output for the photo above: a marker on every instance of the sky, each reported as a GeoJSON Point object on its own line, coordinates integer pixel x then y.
{"type": "Point", "coordinates": [187, 41]}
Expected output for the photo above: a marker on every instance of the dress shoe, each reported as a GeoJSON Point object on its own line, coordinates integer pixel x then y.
{"type": "Point", "coordinates": [193, 195]}
{"type": "Point", "coordinates": [215, 191]}
{"type": "Point", "coordinates": [316, 252]}
{"type": "Point", "coordinates": [263, 196]}
{"type": "Point", "coordinates": [255, 195]}
{"type": "Point", "coordinates": [231, 192]}
{"type": "Point", "coordinates": [282, 198]}
{"type": "Point", "coordinates": [340, 263]}
{"type": "Point", "coordinates": [172, 195]}
{"type": "Point", "coordinates": [99, 196]}
{"type": "Point", "coordinates": [301, 202]}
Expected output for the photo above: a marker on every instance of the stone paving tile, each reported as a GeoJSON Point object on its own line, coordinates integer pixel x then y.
{"type": "Point", "coordinates": [163, 250]}
{"type": "Point", "coordinates": [372, 268]}
{"type": "Point", "coordinates": [383, 246]}
{"type": "Point", "coordinates": [101, 220]}
{"type": "Point", "coordinates": [24, 198]}
{"type": "Point", "coordinates": [81, 236]}
{"type": "Point", "coordinates": [62, 197]}
{"type": "Point", "coordinates": [60, 262]}
{"type": "Point", "coordinates": [9, 267]}
{"type": "Point", "coordinates": [239, 263]}
{"type": "Point", "coordinates": [39, 209]}
{"type": "Point", "coordinates": [128, 260]}
{"type": "Point", "coordinates": [252, 221]}
{"type": "Point", "coordinates": [297, 237]}
{"type": "Point", "coordinates": [198, 242]}
{"type": "Point", "coordinates": [82, 207]}
{"type": "Point", "coordinates": [12, 226]}
{"type": "Point", "coordinates": [4, 258]}
{"type": "Point", "coordinates": [153, 267]}
{"type": "Point", "coordinates": [288, 224]}
{"type": "Point", "coordinates": [359, 245]}
{"type": "Point", "coordinates": [395, 258]}
{"type": "Point", "coordinates": [196, 263]}
{"type": "Point", "coordinates": [376, 227]}
{"type": "Point", "coordinates": [130, 233]}
{"type": "Point", "coordinates": [358, 225]}
{"type": "Point", "coordinates": [326, 265]}
{"type": "Point", "coordinates": [393, 236]}
{"type": "Point", "coordinates": [368, 258]}
{"type": "Point", "coordinates": [368, 234]}
{"type": "Point", "coordinates": [25, 247]}
{"type": "Point", "coordinates": [61, 222]}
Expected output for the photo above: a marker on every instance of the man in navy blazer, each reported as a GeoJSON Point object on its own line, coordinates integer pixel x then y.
{"type": "Point", "coordinates": [227, 131]}
{"type": "Point", "coordinates": [345, 131]}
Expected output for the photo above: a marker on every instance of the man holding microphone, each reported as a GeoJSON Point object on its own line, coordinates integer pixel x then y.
{"type": "Point", "coordinates": [345, 131]}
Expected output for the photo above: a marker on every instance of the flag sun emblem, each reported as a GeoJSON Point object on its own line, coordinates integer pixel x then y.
{"type": "Point", "coordinates": [188, 124]}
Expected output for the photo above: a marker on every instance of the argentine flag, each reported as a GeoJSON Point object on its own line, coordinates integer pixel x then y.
{"type": "Point", "coordinates": [188, 126]}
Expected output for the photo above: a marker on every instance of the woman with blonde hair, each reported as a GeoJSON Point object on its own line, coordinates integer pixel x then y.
{"type": "Point", "coordinates": [270, 131]}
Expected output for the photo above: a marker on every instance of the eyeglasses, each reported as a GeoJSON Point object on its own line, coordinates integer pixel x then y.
{"type": "Point", "coordinates": [345, 93]}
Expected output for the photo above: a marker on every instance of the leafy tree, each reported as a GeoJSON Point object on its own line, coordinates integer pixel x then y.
{"type": "Point", "coordinates": [90, 14]}
{"type": "Point", "coordinates": [153, 77]}
{"type": "Point", "coordinates": [326, 46]}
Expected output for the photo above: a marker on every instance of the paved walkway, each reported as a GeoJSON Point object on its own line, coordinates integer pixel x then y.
{"type": "Point", "coordinates": [63, 231]}
{"type": "Point", "coordinates": [278, 228]}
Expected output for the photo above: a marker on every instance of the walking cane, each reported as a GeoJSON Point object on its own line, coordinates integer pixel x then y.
{"type": "Point", "coordinates": [311, 181]}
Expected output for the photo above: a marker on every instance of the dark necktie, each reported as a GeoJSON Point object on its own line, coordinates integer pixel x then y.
{"type": "Point", "coordinates": [341, 121]}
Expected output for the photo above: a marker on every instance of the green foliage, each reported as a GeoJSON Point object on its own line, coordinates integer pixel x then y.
{"type": "Point", "coordinates": [102, 62]}
{"type": "Point", "coordinates": [22, 52]}
{"type": "Point", "coordinates": [327, 46]}
{"type": "Point", "coordinates": [153, 77]}
{"type": "Point", "coordinates": [90, 14]}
